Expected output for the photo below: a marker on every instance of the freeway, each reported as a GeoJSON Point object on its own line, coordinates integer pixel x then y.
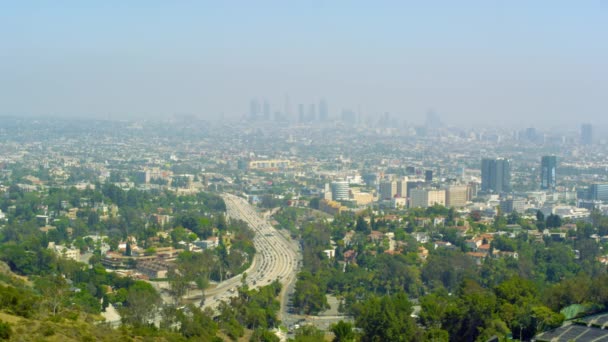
{"type": "Point", "coordinates": [276, 256]}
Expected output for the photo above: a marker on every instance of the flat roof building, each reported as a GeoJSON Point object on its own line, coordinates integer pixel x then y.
{"type": "Point", "coordinates": [424, 198]}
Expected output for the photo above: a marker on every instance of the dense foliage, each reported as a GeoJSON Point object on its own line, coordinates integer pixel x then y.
{"type": "Point", "coordinates": [460, 297]}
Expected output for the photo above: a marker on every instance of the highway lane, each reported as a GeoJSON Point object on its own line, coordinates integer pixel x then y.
{"type": "Point", "coordinates": [276, 256]}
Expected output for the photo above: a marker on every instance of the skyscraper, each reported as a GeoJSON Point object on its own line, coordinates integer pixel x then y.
{"type": "Point", "coordinates": [312, 112]}
{"type": "Point", "coordinates": [424, 198]}
{"type": "Point", "coordinates": [456, 196]}
{"type": "Point", "coordinates": [301, 114]}
{"type": "Point", "coordinates": [387, 190]}
{"type": "Point", "coordinates": [266, 109]}
{"type": "Point", "coordinates": [433, 120]}
{"type": "Point", "coordinates": [586, 134]}
{"type": "Point", "coordinates": [428, 176]}
{"type": "Point", "coordinates": [598, 192]}
{"type": "Point", "coordinates": [548, 167]}
{"type": "Point", "coordinates": [402, 187]}
{"type": "Point", "coordinates": [254, 109]}
{"type": "Point", "coordinates": [287, 107]}
{"type": "Point", "coordinates": [340, 191]}
{"type": "Point", "coordinates": [495, 175]}
{"type": "Point", "coordinates": [323, 111]}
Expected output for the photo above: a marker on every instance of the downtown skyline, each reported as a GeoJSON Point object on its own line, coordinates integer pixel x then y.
{"type": "Point", "coordinates": [472, 62]}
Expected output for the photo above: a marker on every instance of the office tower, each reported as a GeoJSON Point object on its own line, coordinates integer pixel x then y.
{"type": "Point", "coordinates": [402, 187]}
{"type": "Point", "coordinates": [428, 176]}
{"type": "Point", "coordinates": [473, 187]}
{"type": "Point", "coordinates": [312, 112]}
{"type": "Point", "coordinates": [266, 110]}
{"type": "Point", "coordinates": [530, 134]}
{"type": "Point", "coordinates": [456, 196]}
{"type": "Point", "coordinates": [385, 120]}
{"type": "Point", "coordinates": [495, 175]}
{"type": "Point", "coordinates": [323, 111]}
{"type": "Point", "coordinates": [424, 198]}
{"type": "Point", "coordinates": [598, 192]}
{"type": "Point", "coordinates": [340, 191]}
{"type": "Point", "coordinates": [548, 165]}
{"type": "Point", "coordinates": [287, 108]}
{"type": "Point", "coordinates": [510, 205]}
{"type": "Point", "coordinates": [387, 190]}
{"type": "Point", "coordinates": [486, 166]}
{"type": "Point", "coordinates": [143, 176]}
{"type": "Point", "coordinates": [327, 194]}
{"type": "Point", "coordinates": [413, 184]}
{"type": "Point", "coordinates": [370, 179]}
{"type": "Point", "coordinates": [586, 134]}
{"type": "Point", "coordinates": [301, 114]}
{"type": "Point", "coordinates": [254, 109]}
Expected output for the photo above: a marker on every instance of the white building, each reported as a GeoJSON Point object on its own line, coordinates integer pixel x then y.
{"type": "Point", "coordinates": [66, 252]}
{"type": "Point", "coordinates": [340, 191]}
{"type": "Point", "coordinates": [424, 198]}
{"type": "Point", "coordinates": [456, 196]}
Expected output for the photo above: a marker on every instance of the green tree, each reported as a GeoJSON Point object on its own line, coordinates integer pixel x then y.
{"type": "Point", "coordinates": [386, 318]}
{"type": "Point", "coordinates": [545, 319]}
{"type": "Point", "coordinates": [433, 308]}
{"type": "Point", "coordinates": [5, 330]}
{"type": "Point", "coordinates": [141, 304]}
{"type": "Point", "coordinates": [263, 335]}
{"type": "Point", "coordinates": [343, 332]}
{"type": "Point", "coordinates": [472, 311]}
{"type": "Point", "coordinates": [553, 221]}
{"type": "Point", "coordinates": [54, 290]}
{"type": "Point", "coordinates": [309, 333]}
{"type": "Point", "coordinates": [362, 225]}
{"type": "Point", "coordinates": [308, 297]}
{"type": "Point", "coordinates": [197, 324]}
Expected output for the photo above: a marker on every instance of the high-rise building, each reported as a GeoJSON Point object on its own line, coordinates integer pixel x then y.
{"type": "Point", "coordinates": [254, 109]}
{"type": "Point", "coordinates": [456, 196]}
{"type": "Point", "coordinates": [402, 187]}
{"type": "Point", "coordinates": [340, 191]}
{"type": "Point", "coordinates": [312, 112]}
{"type": "Point", "coordinates": [510, 205]}
{"type": "Point", "coordinates": [287, 107]}
{"type": "Point", "coordinates": [387, 190]}
{"type": "Point", "coordinates": [529, 135]}
{"type": "Point", "coordinates": [301, 113]}
{"type": "Point", "coordinates": [423, 198]}
{"type": "Point", "coordinates": [413, 184]}
{"type": "Point", "coordinates": [495, 175]}
{"type": "Point", "coordinates": [370, 179]}
{"type": "Point", "coordinates": [428, 176]}
{"type": "Point", "coordinates": [266, 110]}
{"type": "Point", "coordinates": [143, 176]}
{"type": "Point", "coordinates": [323, 110]}
{"type": "Point", "coordinates": [586, 134]}
{"type": "Point", "coordinates": [472, 187]}
{"type": "Point", "coordinates": [598, 192]}
{"type": "Point", "coordinates": [548, 165]}
{"type": "Point", "coordinates": [327, 195]}
{"type": "Point", "coordinates": [433, 120]}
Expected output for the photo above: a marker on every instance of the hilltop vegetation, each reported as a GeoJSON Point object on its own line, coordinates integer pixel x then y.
{"type": "Point", "coordinates": [470, 278]}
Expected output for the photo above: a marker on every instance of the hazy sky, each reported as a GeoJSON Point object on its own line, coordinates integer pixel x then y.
{"type": "Point", "coordinates": [494, 61]}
